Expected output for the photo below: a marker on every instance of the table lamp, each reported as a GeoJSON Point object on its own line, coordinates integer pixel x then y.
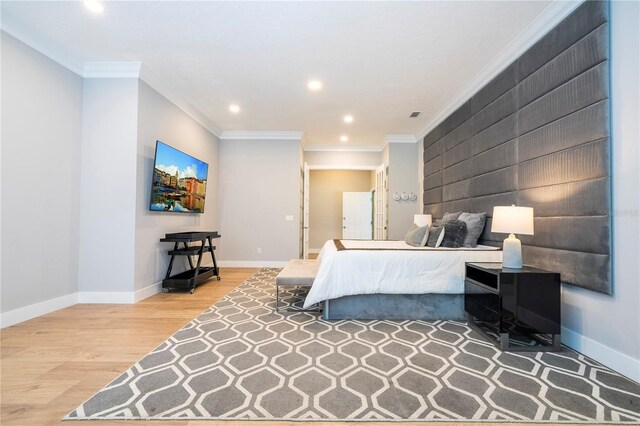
{"type": "Point", "coordinates": [422, 219]}
{"type": "Point", "coordinates": [512, 220]}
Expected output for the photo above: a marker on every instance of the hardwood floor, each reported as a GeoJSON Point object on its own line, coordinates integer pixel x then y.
{"type": "Point", "coordinates": [51, 364]}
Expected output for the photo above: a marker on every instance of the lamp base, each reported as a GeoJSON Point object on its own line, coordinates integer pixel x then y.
{"type": "Point", "coordinates": [512, 253]}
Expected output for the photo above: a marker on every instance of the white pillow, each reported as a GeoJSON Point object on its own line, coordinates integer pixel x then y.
{"type": "Point", "coordinates": [440, 238]}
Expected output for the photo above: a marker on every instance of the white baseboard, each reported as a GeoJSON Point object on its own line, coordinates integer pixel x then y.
{"type": "Point", "coordinates": [37, 309]}
{"type": "Point", "coordinates": [252, 263]}
{"type": "Point", "coordinates": [147, 291]}
{"type": "Point", "coordinates": [623, 364]}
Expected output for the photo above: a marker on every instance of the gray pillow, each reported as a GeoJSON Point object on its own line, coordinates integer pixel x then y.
{"type": "Point", "coordinates": [455, 232]}
{"type": "Point", "coordinates": [448, 217]}
{"type": "Point", "coordinates": [436, 234]}
{"type": "Point", "coordinates": [475, 224]}
{"type": "Point", "coordinates": [417, 235]}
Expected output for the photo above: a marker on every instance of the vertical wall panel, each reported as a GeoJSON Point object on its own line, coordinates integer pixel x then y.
{"type": "Point", "coordinates": [538, 135]}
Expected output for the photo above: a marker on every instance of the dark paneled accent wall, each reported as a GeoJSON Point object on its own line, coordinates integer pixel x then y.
{"type": "Point", "coordinates": [538, 135]}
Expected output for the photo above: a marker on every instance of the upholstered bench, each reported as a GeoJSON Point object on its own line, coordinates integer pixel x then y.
{"type": "Point", "coordinates": [297, 273]}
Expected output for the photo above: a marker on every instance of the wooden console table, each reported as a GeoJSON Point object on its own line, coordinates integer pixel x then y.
{"type": "Point", "coordinates": [195, 275]}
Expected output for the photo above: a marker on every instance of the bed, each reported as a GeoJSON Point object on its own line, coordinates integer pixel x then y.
{"type": "Point", "coordinates": [362, 279]}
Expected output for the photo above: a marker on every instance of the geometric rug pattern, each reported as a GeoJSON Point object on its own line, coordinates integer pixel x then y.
{"type": "Point", "coordinates": [242, 360]}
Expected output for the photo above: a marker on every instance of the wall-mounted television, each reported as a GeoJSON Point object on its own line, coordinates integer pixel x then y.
{"type": "Point", "coordinates": [179, 181]}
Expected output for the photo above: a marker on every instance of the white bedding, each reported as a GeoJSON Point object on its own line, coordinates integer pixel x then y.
{"type": "Point", "coordinates": [392, 267]}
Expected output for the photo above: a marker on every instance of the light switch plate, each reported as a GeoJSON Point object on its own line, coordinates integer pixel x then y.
{"type": "Point", "coordinates": [289, 218]}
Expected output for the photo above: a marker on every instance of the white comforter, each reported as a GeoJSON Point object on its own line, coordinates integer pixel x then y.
{"type": "Point", "coordinates": [392, 267]}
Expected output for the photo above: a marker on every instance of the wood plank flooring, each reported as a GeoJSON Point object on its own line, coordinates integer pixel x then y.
{"type": "Point", "coordinates": [51, 364]}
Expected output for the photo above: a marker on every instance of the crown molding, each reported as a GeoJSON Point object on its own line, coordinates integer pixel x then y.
{"type": "Point", "coordinates": [544, 22]}
{"type": "Point", "coordinates": [262, 135]}
{"type": "Point", "coordinates": [340, 148]}
{"type": "Point", "coordinates": [18, 30]}
{"type": "Point", "coordinates": [111, 70]}
{"type": "Point", "coordinates": [400, 139]}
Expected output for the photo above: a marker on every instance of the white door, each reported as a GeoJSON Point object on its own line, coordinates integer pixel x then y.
{"type": "Point", "coordinates": [305, 214]}
{"type": "Point", "coordinates": [356, 215]}
{"type": "Point", "coordinates": [380, 205]}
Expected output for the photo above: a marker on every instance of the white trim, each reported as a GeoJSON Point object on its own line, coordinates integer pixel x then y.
{"type": "Point", "coordinates": [112, 69]}
{"type": "Point", "coordinates": [544, 22]}
{"type": "Point", "coordinates": [262, 135]}
{"type": "Point", "coordinates": [400, 139]}
{"type": "Point", "coordinates": [148, 291]}
{"type": "Point", "coordinates": [37, 309]}
{"type": "Point", "coordinates": [622, 363]}
{"type": "Point", "coordinates": [338, 167]}
{"type": "Point", "coordinates": [252, 263]}
{"type": "Point", "coordinates": [339, 148]}
{"type": "Point", "coordinates": [16, 28]}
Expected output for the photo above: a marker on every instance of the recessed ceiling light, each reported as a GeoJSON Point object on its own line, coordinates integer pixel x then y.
{"type": "Point", "coordinates": [348, 118]}
{"type": "Point", "coordinates": [94, 6]}
{"type": "Point", "coordinates": [234, 108]}
{"type": "Point", "coordinates": [344, 138]}
{"type": "Point", "coordinates": [314, 85]}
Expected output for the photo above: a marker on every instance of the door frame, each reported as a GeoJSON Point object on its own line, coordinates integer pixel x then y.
{"type": "Point", "coordinates": [346, 167]}
{"type": "Point", "coordinates": [380, 204]}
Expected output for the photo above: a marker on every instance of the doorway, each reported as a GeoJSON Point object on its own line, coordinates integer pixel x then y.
{"type": "Point", "coordinates": [325, 194]}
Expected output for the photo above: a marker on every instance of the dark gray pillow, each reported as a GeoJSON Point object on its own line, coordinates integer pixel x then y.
{"type": "Point", "coordinates": [475, 224]}
{"type": "Point", "coordinates": [436, 234]}
{"type": "Point", "coordinates": [417, 235]}
{"type": "Point", "coordinates": [455, 232]}
{"type": "Point", "coordinates": [448, 217]}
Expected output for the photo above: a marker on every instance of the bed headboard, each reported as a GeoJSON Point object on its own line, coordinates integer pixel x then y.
{"type": "Point", "coordinates": [538, 135]}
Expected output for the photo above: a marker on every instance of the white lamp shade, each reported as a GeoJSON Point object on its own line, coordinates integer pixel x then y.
{"type": "Point", "coordinates": [422, 219]}
{"type": "Point", "coordinates": [512, 220]}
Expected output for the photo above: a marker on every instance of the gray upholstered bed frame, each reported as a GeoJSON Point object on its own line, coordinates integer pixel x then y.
{"type": "Point", "coordinates": [428, 307]}
{"type": "Point", "coordinates": [538, 135]}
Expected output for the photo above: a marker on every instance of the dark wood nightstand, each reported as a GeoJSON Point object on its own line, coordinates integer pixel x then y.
{"type": "Point", "coordinates": [517, 309]}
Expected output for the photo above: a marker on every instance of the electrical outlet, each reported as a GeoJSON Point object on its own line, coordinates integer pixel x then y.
{"type": "Point", "coordinates": [259, 250]}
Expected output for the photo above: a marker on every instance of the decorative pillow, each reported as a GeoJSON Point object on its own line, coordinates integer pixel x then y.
{"type": "Point", "coordinates": [436, 234]}
{"type": "Point", "coordinates": [448, 217]}
{"type": "Point", "coordinates": [423, 243]}
{"type": "Point", "coordinates": [455, 232]}
{"type": "Point", "coordinates": [475, 224]}
{"type": "Point", "coordinates": [417, 235]}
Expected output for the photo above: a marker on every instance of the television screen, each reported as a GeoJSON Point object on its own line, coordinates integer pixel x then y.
{"type": "Point", "coordinates": [179, 181]}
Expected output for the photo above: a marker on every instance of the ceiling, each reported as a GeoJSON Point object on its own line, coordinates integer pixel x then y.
{"type": "Point", "coordinates": [378, 61]}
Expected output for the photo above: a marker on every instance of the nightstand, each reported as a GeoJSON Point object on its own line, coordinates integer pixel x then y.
{"type": "Point", "coordinates": [516, 309]}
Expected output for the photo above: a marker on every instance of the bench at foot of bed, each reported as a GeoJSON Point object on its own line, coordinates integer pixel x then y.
{"type": "Point", "coordinates": [428, 307]}
{"type": "Point", "coordinates": [297, 273]}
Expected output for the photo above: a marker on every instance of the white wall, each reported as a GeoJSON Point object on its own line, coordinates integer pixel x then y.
{"type": "Point", "coordinates": [403, 177]}
{"type": "Point", "coordinates": [158, 118]}
{"type": "Point", "coordinates": [108, 186]}
{"type": "Point", "coordinates": [259, 186]}
{"type": "Point", "coordinates": [343, 159]}
{"type": "Point", "coordinates": [41, 136]}
{"type": "Point", "coordinates": [607, 328]}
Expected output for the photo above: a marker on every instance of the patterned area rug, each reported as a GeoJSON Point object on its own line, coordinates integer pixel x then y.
{"type": "Point", "coordinates": [241, 360]}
